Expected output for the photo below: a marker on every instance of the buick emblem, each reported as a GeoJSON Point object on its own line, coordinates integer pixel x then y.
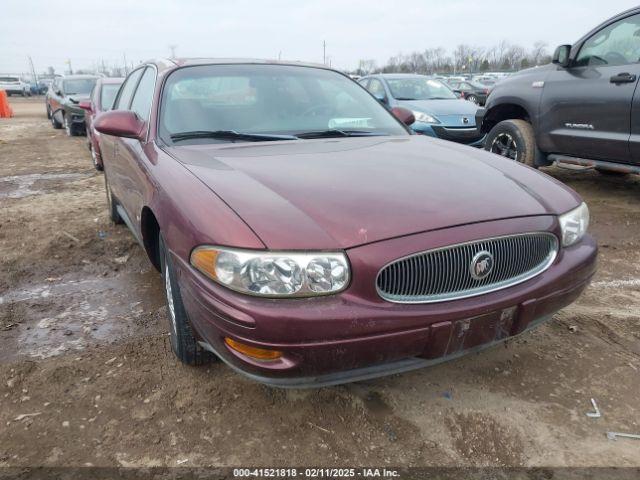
{"type": "Point", "coordinates": [481, 265]}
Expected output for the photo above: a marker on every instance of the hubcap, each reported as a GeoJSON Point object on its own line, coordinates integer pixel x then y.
{"type": "Point", "coordinates": [167, 285]}
{"type": "Point", "coordinates": [473, 99]}
{"type": "Point", "coordinates": [506, 146]}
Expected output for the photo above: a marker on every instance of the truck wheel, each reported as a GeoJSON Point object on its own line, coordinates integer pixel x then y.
{"type": "Point", "coordinates": [513, 139]}
{"type": "Point", "coordinates": [111, 204]}
{"type": "Point", "coordinates": [183, 342]}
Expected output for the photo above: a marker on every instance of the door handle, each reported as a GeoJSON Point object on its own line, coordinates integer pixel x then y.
{"type": "Point", "coordinates": [623, 78]}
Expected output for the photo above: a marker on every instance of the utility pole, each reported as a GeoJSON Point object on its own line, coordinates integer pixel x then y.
{"type": "Point", "coordinates": [33, 72]}
{"type": "Point", "coordinates": [324, 52]}
{"type": "Point", "coordinates": [173, 50]}
{"type": "Point", "coordinates": [126, 69]}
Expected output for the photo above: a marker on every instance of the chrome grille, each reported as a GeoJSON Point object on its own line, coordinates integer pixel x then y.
{"type": "Point", "coordinates": [444, 273]}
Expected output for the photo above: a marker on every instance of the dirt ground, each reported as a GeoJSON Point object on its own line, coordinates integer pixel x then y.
{"type": "Point", "coordinates": [87, 376]}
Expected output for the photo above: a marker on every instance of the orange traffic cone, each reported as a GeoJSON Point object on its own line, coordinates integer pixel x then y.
{"type": "Point", "coordinates": [5, 109]}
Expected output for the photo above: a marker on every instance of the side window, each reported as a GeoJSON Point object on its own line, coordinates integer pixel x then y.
{"type": "Point", "coordinates": [376, 88]}
{"type": "Point", "coordinates": [617, 44]}
{"type": "Point", "coordinates": [126, 92]}
{"type": "Point", "coordinates": [143, 97]}
{"type": "Point", "coordinates": [94, 94]}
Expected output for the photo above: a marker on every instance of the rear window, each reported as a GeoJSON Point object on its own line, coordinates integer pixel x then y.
{"type": "Point", "coordinates": [78, 86]}
{"type": "Point", "coordinates": [108, 95]}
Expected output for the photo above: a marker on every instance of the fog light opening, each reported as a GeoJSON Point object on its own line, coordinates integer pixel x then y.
{"type": "Point", "coordinates": [252, 352]}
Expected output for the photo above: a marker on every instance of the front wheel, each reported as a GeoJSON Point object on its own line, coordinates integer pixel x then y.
{"type": "Point", "coordinates": [183, 341]}
{"type": "Point", "coordinates": [94, 158]}
{"type": "Point", "coordinates": [112, 206]}
{"type": "Point", "coordinates": [513, 139]}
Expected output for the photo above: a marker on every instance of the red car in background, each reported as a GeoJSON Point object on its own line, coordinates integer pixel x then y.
{"type": "Point", "coordinates": [102, 97]}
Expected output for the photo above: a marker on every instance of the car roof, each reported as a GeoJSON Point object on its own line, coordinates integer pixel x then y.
{"type": "Point", "coordinates": [111, 80]}
{"type": "Point", "coordinates": [170, 64]}
{"type": "Point", "coordinates": [78, 77]}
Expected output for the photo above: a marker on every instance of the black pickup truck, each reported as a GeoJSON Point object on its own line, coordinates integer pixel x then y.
{"type": "Point", "coordinates": [584, 108]}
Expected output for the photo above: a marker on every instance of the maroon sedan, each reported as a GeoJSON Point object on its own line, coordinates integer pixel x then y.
{"type": "Point", "coordinates": [306, 237]}
{"type": "Point", "coordinates": [102, 97]}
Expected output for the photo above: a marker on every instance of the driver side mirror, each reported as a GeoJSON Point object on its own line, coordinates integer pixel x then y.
{"type": "Point", "coordinates": [120, 123]}
{"type": "Point", "coordinates": [404, 115]}
{"type": "Point", "coordinates": [561, 56]}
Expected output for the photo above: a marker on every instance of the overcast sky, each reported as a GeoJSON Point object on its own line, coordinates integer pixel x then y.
{"type": "Point", "coordinates": [86, 31]}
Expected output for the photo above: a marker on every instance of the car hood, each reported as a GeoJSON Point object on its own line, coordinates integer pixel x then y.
{"type": "Point", "coordinates": [441, 107]}
{"type": "Point", "coordinates": [340, 193]}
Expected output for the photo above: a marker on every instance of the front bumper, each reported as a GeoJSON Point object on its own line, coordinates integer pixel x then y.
{"type": "Point", "coordinates": [465, 135]}
{"type": "Point", "coordinates": [356, 335]}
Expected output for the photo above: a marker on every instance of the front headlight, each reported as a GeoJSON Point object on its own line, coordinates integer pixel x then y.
{"type": "Point", "coordinates": [425, 117]}
{"type": "Point", "coordinates": [274, 274]}
{"type": "Point", "coordinates": [574, 225]}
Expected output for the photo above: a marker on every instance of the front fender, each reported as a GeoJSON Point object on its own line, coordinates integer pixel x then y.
{"type": "Point", "coordinates": [187, 211]}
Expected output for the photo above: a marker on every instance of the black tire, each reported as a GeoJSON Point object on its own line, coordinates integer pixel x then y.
{"type": "Point", "coordinates": [112, 204]}
{"type": "Point", "coordinates": [183, 341]}
{"type": "Point", "coordinates": [94, 159]}
{"type": "Point", "coordinates": [68, 127]}
{"type": "Point", "coordinates": [513, 139]}
{"type": "Point", "coordinates": [48, 113]}
{"type": "Point", "coordinates": [472, 98]}
{"type": "Point", "coordinates": [55, 123]}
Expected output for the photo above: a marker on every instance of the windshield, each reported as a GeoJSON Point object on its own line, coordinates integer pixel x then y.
{"type": "Point", "coordinates": [9, 79]}
{"type": "Point", "coordinates": [108, 95]}
{"type": "Point", "coordinates": [419, 89]}
{"type": "Point", "coordinates": [80, 86]}
{"type": "Point", "coordinates": [268, 100]}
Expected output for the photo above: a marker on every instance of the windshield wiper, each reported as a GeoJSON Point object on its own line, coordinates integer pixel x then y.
{"type": "Point", "coordinates": [230, 135]}
{"type": "Point", "coordinates": [405, 98]}
{"type": "Point", "coordinates": [334, 132]}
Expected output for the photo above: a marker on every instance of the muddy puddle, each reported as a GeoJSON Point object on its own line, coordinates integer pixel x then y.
{"type": "Point", "coordinates": [20, 186]}
{"type": "Point", "coordinates": [63, 315]}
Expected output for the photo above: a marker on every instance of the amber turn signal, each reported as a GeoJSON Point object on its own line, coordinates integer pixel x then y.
{"type": "Point", "coordinates": [253, 352]}
{"type": "Point", "coordinates": [204, 259]}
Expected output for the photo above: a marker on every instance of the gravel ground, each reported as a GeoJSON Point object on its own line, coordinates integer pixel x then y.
{"type": "Point", "coordinates": [87, 376]}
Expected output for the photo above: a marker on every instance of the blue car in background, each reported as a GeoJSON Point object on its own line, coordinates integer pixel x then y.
{"type": "Point", "coordinates": [438, 111]}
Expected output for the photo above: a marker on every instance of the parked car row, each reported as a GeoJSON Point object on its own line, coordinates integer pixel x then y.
{"type": "Point", "coordinates": [73, 101]}
{"type": "Point", "coordinates": [306, 236]}
{"type": "Point", "coordinates": [307, 230]}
